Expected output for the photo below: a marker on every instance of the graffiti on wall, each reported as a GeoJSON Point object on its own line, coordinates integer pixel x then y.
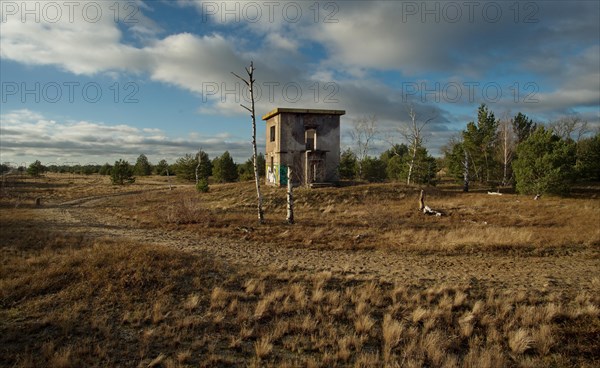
{"type": "Point", "coordinates": [271, 178]}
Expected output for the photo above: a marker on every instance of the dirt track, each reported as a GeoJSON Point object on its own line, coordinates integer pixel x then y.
{"type": "Point", "coordinates": [578, 271]}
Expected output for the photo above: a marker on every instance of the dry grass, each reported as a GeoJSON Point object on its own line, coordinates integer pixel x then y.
{"type": "Point", "coordinates": [379, 215]}
{"type": "Point", "coordinates": [72, 300]}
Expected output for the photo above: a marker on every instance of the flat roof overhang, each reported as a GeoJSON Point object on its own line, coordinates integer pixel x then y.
{"type": "Point", "coordinates": [281, 110]}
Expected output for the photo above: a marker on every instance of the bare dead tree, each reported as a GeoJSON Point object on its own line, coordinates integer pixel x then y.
{"type": "Point", "coordinates": [412, 134]}
{"type": "Point", "coordinates": [250, 83]}
{"type": "Point", "coordinates": [570, 127]}
{"type": "Point", "coordinates": [507, 142]}
{"type": "Point", "coordinates": [363, 134]}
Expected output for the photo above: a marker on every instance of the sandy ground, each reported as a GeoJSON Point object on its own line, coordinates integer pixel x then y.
{"type": "Point", "coordinates": [574, 272]}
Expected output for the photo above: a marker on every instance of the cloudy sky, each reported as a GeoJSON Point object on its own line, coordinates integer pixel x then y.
{"type": "Point", "coordinates": [95, 81]}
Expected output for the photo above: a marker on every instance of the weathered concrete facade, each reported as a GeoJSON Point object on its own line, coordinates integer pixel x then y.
{"type": "Point", "coordinates": [306, 140]}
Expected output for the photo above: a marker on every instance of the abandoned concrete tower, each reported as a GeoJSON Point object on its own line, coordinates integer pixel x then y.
{"type": "Point", "coordinates": [306, 140]}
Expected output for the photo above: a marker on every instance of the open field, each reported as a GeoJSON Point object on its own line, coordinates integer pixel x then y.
{"type": "Point", "coordinates": [142, 275]}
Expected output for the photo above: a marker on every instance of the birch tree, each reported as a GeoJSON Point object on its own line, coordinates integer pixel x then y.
{"type": "Point", "coordinates": [250, 83]}
{"type": "Point", "coordinates": [412, 133]}
{"type": "Point", "coordinates": [507, 144]}
{"type": "Point", "coordinates": [363, 134]}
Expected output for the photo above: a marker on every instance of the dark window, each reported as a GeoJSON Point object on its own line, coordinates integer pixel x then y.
{"type": "Point", "coordinates": [311, 139]}
{"type": "Point", "coordinates": [272, 134]}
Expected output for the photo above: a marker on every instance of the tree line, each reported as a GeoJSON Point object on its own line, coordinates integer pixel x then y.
{"type": "Point", "coordinates": [190, 167]}
{"type": "Point", "coordinates": [509, 152]}
{"type": "Point", "coordinates": [531, 157]}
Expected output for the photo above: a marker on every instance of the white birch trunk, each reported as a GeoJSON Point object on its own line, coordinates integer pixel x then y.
{"type": "Point", "coordinates": [261, 218]}
{"type": "Point", "coordinates": [250, 84]}
{"type": "Point", "coordinates": [411, 165]}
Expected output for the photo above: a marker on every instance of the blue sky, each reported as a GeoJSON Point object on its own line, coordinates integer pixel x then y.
{"type": "Point", "coordinates": [95, 81]}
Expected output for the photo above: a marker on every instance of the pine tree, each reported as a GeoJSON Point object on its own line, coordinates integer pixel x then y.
{"type": "Point", "coordinates": [142, 166]}
{"type": "Point", "coordinates": [224, 169]}
{"type": "Point", "coordinates": [479, 140]}
{"type": "Point", "coordinates": [36, 168]}
{"type": "Point", "coordinates": [122, 173]}
{"type": "Point", "coordinates": [185, 167]}
{"type": "Point", "coordinates": [161, 168]}
{"type": "Point", "coordinates": [348, 165]}
{"type": "Point", "coordinates": [544, 163]}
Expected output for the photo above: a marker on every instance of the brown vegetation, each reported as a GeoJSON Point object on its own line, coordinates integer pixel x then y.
{"type": "Point", "coordinates": [72, 296]}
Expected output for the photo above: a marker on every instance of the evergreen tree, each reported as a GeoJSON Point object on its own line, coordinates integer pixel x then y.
{"type": "Point", "coordinates": [185, 167]}
{"type": "Point", "coordinates": [161, 168]}
{"type": "Point", "coordinates": [479, 140]}
{"type": "Point", "coordinates": [523, 127]}
{"type": "Point", "coordinates": [454, 156]}
{"type": "Point", "coordinates": [106, 169]}
{"type": "Point", "coordinates": [588, 158]}
{"type": "Point", "coordinates": [36, 168]}
{"type": "Point", "coordinates": [224, 169]}
{"type": "Point", "coordinates": [373, 169]}
{"type": "Point", "coordinates": [204, 165]}
{"type": "Point", "coordinates": [425, 167]}
{"type": "Point", "coordinates": [261, 162]}
{"type": "Point", "coordinates": [142, 166]}
{"type": "Point", "coordinates": [398, 150]}
{"type": "Point", "coordinates": [246, 170]}
{"type": "Point", "coordinates": [122, 173]}
{"type": "Point", "coordinates": [397, 167]}
{"type": "Point", "coordinates": [544, 163]}
{"type": "Point", "coordinates": [348, 165]}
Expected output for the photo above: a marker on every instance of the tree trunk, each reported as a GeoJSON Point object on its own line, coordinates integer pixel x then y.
{"type": "Point", "coordinates": [421, 201]}
{"type": "Point", "coordinates": [261, 218]}
{"type": "Point", "coordinates": [250, 84]}
{"type": "Point", "coordinates": [412, 164]}
{"type": "Point", "coordinates": [466, 172]}
{"type": "Point", "coordinates": [290, 197]}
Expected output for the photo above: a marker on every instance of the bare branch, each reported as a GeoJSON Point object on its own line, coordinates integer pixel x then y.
{"type": "Point", "coordinates": [247, 108]}
{"type": "Point", "coordinates": [245, 81]}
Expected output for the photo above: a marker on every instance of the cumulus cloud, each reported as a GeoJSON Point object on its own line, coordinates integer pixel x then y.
{"type": "Point", "coordinates": [554, 43]}
{"type": "Point", "coordinates": [28, 135]}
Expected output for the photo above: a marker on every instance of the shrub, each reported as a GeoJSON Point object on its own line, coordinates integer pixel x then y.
{"type": "Point", "coordinates": [202, 185]}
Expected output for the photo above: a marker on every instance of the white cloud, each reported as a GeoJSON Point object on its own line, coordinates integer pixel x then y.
{"type": "Point", "coordinates": [79, 45]}
{"type": "Point", "coordinates": [28, 135]}
{"type": "Point", "coordinates": [368, 37]}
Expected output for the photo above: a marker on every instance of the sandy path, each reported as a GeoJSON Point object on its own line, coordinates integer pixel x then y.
{"type": "Point", "coordinates": [577, 271]}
